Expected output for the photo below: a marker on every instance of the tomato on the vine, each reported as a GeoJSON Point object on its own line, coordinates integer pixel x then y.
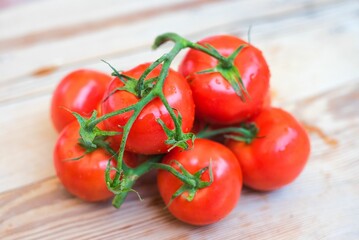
{"type": "Point", "coordinates": [212, 203]}
{"type": "Point", "coordinates": [150, 110]}
{"type": "Point", "coordinates": [80, 91]}
{"type": "Point", "coordinates": [147, 135]}
{"type": "Point", "coordinates": [81, 173]}
{"type": "Point", "coordinates": [279, 153]}
{"type": "Point", "coordinates": [215, 99]}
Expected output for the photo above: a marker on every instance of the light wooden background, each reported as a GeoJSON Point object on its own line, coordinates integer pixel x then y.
{"type": "Point", "coordinates": [312, 47]}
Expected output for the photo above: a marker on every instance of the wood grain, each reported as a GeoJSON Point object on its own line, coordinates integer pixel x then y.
{"type": "Point", "coordinates": [321, 204]}
{"type": "Point", "coordinates": [312, 47]}
{"type": "Point", "coordinates": [301, 76]}
{"type": "Point", "coordinates": [276, 47]}
{"type": "Point", "coordinates": [97, 25]}
{"type": "Point", "coordinates": [56, 53]}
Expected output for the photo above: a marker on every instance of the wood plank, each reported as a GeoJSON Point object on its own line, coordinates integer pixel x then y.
{"type": "Point", "coordinates": [277, 45]}
{"type": "Point", "coordinates": [94, 16]}
{"type": "Point", "coordinates": [312, 47]}
{"type": "Point", "coordinates": [293, 78]}
{"type": "Point", "coordinates": [12, 3]}
{"type": "Point", "coordinates": [125, 37]}
{"type": "Point", "coordinates": [302, 64]}
{"type": "Point", "coordinates": [321, 204]}
{"type": "Point", "coordinates": [27, 142]}
{"type": "Point", "coordinates": [77, 12]}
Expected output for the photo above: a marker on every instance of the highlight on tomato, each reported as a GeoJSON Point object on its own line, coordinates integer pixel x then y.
{"type": "Point", "coordinates": [277, 155]}
{"type": "Point", "coordinates": [212, 166]}
{"type": "Point", "coordinates": [147, 136]}
{"type": "Point", "coordinates": [80, 91]}
{"type": "Point", "coordinates": [237, 97]}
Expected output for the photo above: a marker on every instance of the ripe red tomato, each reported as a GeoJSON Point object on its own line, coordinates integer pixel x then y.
{"type": "Point", "coordinates": [267, 101]}
{"type": "Point", "coordinates": [212, 203]}
{"type": "Point", "coordinates": [81, 91]}
{"type": "Point", "coordinates": [278, 156]}
{"type": "Point", "coordinates": [85, 177]}
{"type": "Point", "coordinates": [147, 135]}
{"type": "Point", "coordinates": [216, 101]}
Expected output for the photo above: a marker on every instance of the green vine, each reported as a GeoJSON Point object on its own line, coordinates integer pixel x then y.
{"type": "Point", "coordinates": [246, 132]}
{"type": "Point", "coordinates": [146, 91]}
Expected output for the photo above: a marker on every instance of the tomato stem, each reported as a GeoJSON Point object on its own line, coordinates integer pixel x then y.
{"type": "Point", "coordinates": [212, 52]}
{"type": "Point", "coordinates": [188, 44]}
{"type": "Point", "coordinates": [125, 133]}
{"type": "Point", "coordinates": [130, 177]}
{"type": "Point", "coordinates": [141, 80]}
{"type": "Point", "coordinates": [93, 123]}
{"type": "Point", "coordinates": [125, 177]}
{"type": "Point", "coordinates": [185, 179]}
{"type": "Point", "coordinates": [245, 133]}
{"type": "Point", "coordinates": [170, 110]}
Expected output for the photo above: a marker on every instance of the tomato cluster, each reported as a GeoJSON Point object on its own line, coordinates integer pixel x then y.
{"type": "Point", "coordinates": [116, 128]}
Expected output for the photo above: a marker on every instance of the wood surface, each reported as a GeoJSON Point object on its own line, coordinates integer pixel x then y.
{"type": "Point", "coordinates": [312, 47]}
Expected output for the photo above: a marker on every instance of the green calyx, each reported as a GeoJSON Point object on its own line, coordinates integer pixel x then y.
{"type": "Point", "coordinates": [177, 138]}
{"type": "Point", "coordinates": [92, 138]}
{"type": "Point", "coordinates": [121, 182]}
{"type": "Point", "coordinates": [139, 88]}
{"type": "Point", "coordinates": [229, 71]}
{"type": "Point", "coordinates": [191, 182]}
{"type": "Point", "coordinates": [91, 135]}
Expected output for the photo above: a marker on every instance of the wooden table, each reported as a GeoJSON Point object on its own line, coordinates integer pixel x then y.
{"type": "Point", "coordinates": [312, 47]}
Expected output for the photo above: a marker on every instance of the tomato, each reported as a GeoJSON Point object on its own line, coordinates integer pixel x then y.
{"type": "Point", "coordinates": [147, 135]}
{"type": "Point", "coordinates": [267, 101]}
{"type": "Point", "coordinates": [278, 156]}
{"type": "Point", "coordinates": [80, 91]}
{"type": "Point", "coordinates": [211, 203]}
{"type": "Point", "coordinates": [85, 177]}
{"type": "Point", "coordinates": [216, 101]}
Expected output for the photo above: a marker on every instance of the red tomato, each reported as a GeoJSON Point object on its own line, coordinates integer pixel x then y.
{"type": "Point", "coordinates": [278, 156]}
{"type": "Point", "coordinates": [212, 203]}
{"type": "Point", "coordinates": [267, 100]}
{"type": "Point", "coordinates": [84, 178]}
{"type": "Point", "coordinates": [147, 135]}
{"type": "Point", "coordinates": [216, 101]}
{"type": "Point", "coordinates": [81, 91]}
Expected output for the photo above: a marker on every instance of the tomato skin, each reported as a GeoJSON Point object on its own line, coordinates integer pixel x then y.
{"type": "Point", "coordinates": [216, 101]}
{"type": "Point", "coordinates": [80, 91]}
{"type": "Point", "coordinates": [267, 101]}
{"type": "Point", "coordinates": [84, 178]}
{"type": "Point", "coordinates": [146, 135]}
{"type": "Point", "coordinates": [278, 156]}
{"type": "Point", "coordinates": [212, 203]}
